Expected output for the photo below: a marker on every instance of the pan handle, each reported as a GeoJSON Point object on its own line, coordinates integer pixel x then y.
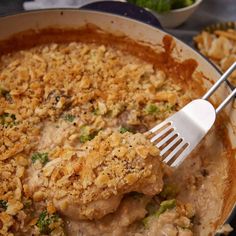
{"type": "Point", "coordinates": [124, 9]}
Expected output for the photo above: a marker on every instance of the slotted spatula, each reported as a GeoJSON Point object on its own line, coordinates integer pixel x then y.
{"type": "Point", "coordinates": [179, 134]}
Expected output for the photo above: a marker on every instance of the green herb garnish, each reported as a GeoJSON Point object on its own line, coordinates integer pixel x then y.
{"type": "Point", "coordinates": [42, 157]}
{"type": "Point", "coordinates": [45, 220]}
{"type": "Point", "coordinates": [7, 120]}
{"type": "Point", "coordinates": [3, 205]}
{"type": "Point", "coordinates": [69, 117]}
{"type": "Point", "coordinates": [152, 109]}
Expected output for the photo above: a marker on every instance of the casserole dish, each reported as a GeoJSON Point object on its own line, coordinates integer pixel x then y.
{"type": "Point", "coordinates": [152, 36]}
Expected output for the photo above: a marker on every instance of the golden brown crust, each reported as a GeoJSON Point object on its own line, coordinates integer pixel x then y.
{"type": "Point", "coordinates": [109, 166]}
{"type": "Point", "coordinates": [100, 87]}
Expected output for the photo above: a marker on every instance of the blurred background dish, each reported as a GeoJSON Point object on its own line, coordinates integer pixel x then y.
{"type": "Point", "coordinates": [218, 43]}
{"type": "Point", "coordinates": [170, 13]}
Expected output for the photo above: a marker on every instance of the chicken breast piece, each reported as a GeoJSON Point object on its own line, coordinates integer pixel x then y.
{"type": "Point", "coordinates": [90, 183]}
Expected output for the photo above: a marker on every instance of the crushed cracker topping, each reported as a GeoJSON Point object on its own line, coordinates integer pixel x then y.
{"type": "Point", "coordinates": [48, 94]}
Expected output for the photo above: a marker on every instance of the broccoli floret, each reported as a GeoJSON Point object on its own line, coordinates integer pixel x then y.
{"type": "Point", "coordinates": [152, 109]}
{"type": "Point", "coordinates": [96, 112]}
{"type": "Point", "coordinates": [5, 93]}
{"type": "Point", "coordinates": [3, 205]}
{"type": "Point", "coordinates": [69, 117]}
{"type": "Point", "coordinates": [42, 157]}
{"type": "Point", "coordinates": [162, 6]}
{"type": "Point", "coordinates": [7, 120]}
{"type": "Point", "coordinates": [158, 5]}
{"type": "Point", "coordinates": [88, 137]}
{"type": "Point", "coordinates": [124, 130]}
{"type": "Point", "coordinates": [165, 205]}
{"type": "Point", "coordinates": [176, 4]}
{"type": "Point", "coordinates": [85, 134]}
{"type": "Point", "coordinates": [85, 138]}
{"type": "Point", "coordinates": [188, 2]}
{"type": "Point", "coordinates": [169, 191]}
{"type": "Point", "coordinates": [45, 220]}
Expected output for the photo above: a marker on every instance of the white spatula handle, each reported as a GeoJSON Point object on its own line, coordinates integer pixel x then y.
{"type": "Point", "coordinates": [226, 101]}
{"type": "Point", "coordinates": [219, 82]}
{"type": "Point", "coordinates": [216, 86]}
